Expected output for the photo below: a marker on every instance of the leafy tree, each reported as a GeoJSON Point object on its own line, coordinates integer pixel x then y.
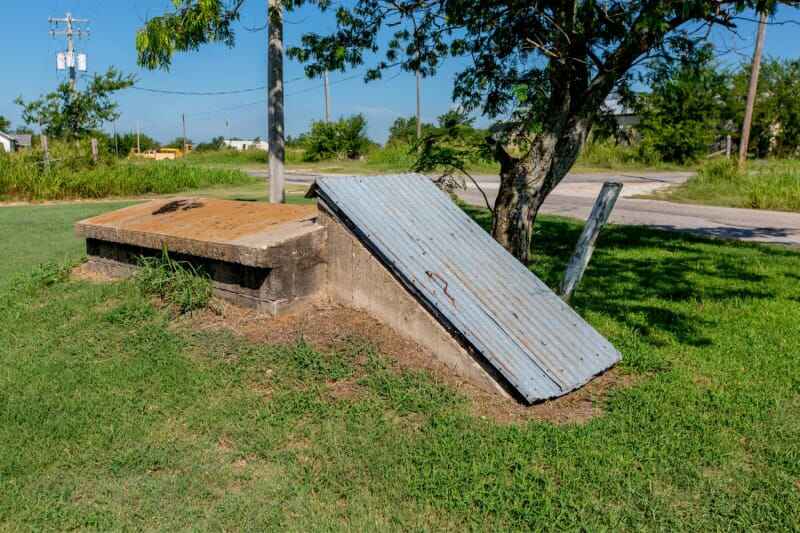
{"type": "Point", "coordinates": [451, 148]}
{"type": "Point", "coordinates": [404, 131]}
{"type": "Point", "coordinates": [776, 117]}
{"type": "Point", "coordinates": [177, 143]}
{"type": "Point", "coordinates": [543, 67]}
{"type": "Point", "coordinates": [345, 138]}
{"type": "Point", "coordinates": [67, 113]}
{"type": "Point", "coordinates": [683, 113]}
{"type": "Point", "coordinates": [5, 124]}
{"type": "Point", "coordinates": [126, 143]}
{"type": "Point", "coordinates": [217, 143]}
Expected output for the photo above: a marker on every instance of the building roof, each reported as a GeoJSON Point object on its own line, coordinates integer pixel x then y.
{"type": "Point", "coordinates": [22, 139]}
{"type": "Point", "coordinates": [479, 292]}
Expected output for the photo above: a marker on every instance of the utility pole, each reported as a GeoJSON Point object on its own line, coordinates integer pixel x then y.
{"type": "Point", "coordinates": [138, 146]}
{"type": "Point", "coordinates": [327, 98]}
{"type": "Point", "coordinates": [419, 106]}
{"type": "Point", "coordinates": [71, 30]}
{"type": "Point", "coordinates": [183, 121]}
{"type": "Point", "coordinates": [277, 149]}
{"type": "Point", "coordinates": [752, 90]}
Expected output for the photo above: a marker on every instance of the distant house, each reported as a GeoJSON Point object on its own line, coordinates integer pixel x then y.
{"type": "Point", "coordinates": [245, 144]}
{"type": "Point", "coordinates": [11, 142]}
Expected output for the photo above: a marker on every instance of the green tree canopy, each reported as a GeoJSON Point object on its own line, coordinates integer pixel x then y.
{"type": "Point", "coordinates": [684, 112]}
{"type": "Point", "coordinates": [126, 143]}
{"type": "Point", "coordinates": [344, 139]}
{"type": "Point", "coordinates": [5, 124]}
{"type": "Point", "coordinates": [67, 113]}
{"type": "Point", "coordinates": [404, 130]}
{"type": "Point", "coordinates": [542, 67]}
{"type": "Point", "coordinates": [776, 117]}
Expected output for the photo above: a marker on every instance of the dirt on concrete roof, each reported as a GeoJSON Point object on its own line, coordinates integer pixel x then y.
{"type": "Point", "coordinates": [203, 218]}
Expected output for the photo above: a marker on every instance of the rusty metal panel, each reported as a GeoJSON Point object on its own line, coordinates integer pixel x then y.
{"type": "Point", "coordinates": [479, 291]}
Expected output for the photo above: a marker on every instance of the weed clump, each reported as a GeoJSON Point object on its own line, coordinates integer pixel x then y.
{"type": "Point", "coordinates": [177, 283]}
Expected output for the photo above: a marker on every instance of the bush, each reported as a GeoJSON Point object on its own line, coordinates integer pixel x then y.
{"type": "Point", "coordinates": [344, 139]}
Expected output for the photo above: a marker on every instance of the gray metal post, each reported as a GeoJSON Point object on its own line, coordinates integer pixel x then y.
{"type": "Point", "coordinates": [583, 250]}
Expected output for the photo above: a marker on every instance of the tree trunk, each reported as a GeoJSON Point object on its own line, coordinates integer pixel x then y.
{"type": "Point", "coordinates": [525, 183]}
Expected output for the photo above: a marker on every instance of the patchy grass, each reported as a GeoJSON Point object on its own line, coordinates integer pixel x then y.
{"type": "Point", "coordinates": [114, 416]}
{"type": "Point", "coordinates": [766, 184]}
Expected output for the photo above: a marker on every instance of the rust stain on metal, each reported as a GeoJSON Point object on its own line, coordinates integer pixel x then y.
{"type": "Point", "coordinates": [444, 281]}
{"type": "Point", "coordinates": [203, 218]}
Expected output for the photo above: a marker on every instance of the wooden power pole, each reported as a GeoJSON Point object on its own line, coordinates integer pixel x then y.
{"type": "Point", "coordinates": [419, 105]}
{"type": "Point", "coordinates": [277, 150]}
{"type": "Point", "coordinates": [752, 90]}
{"type": "Point", "coordinates": [185, 143]}
{"type": "Point", "coordinates": [327, 98]}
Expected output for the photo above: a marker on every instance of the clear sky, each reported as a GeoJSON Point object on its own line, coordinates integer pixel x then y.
{"type": "Point", "coordinates": [29, 69]}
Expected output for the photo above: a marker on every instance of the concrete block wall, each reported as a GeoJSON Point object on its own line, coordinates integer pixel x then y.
{"type": "Point", "coordinates": [358, 279]}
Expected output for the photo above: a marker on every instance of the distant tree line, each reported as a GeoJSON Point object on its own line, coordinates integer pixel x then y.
{"type": "Point", "coordinates": [693, 104]}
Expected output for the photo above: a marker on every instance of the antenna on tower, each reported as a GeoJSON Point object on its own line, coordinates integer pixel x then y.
{"type": "Point", "coordinates": [69, 59]}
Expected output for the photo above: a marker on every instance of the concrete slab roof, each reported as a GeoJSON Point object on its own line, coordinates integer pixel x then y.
{"type": "Point", "coordinates": [225, 230]}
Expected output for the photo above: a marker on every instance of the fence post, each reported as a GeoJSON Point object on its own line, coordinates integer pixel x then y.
{"type": "Point", "coordinates": [583, 250]}
{"type": "Point", "coordinates": [46, 151]}
{"type": "Point", "coordinates": [728, 146]}
{"type": "Point", "coordinates": [94, 150]}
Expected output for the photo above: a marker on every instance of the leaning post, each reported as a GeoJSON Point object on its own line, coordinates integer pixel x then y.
{"type": "Point", "coordinates": [583, 250]}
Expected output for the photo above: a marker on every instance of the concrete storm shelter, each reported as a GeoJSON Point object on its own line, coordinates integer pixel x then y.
{"type": "Point", "coordinates": [394, 246]}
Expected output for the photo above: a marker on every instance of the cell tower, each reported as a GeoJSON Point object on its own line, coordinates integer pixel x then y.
{"type": "Point", "coordinates": [70, 60]}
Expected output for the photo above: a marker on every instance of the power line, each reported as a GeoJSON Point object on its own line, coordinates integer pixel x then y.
{"type": "Point", "coordinates": [198, 93]}
{"type": "Point", "coordinates": [263, 100]}
{"type": "Point", "coordinates": [210, 93]}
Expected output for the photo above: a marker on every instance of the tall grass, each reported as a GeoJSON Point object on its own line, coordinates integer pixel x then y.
{"type": "Point", "coordinates": [770, 184]}
{"type": "Point", "coordinates": [177, 283]}
{"type": "Point", "coordinates": [228, 156]}
{"type": "Point", "coordinates": [26, 176]}
{"type": "Point", "coordinates": [612, 155]}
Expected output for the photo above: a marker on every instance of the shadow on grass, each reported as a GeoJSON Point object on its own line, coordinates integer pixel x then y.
{"type": "Point", "coordinates": [638, 275]}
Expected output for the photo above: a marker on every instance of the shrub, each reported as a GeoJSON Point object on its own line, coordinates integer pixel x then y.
{"type": "Point", "coordinates": [345, 138]}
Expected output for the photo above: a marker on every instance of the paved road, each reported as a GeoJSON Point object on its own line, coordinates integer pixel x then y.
{"type": "Point", "coordinates": [575, 195]}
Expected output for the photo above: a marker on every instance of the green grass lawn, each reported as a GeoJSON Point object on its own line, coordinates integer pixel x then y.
{"type": "Point", "coordinates": [113, 415]}
{"type": "Point", "coordinates": [765, 184]}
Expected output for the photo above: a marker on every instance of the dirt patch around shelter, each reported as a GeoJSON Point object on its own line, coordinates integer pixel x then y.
{"type": "Point", "coordinates": [85, 272]}
{"type": "Point", "coordinates": [327, 327]}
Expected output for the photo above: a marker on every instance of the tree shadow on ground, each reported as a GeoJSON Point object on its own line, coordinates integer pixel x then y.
{"type": "Point", "coordinates": [637, 275]}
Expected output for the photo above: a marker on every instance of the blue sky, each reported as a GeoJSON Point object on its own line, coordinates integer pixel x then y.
{"type": "Point", "coordinates": [30, 70]}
